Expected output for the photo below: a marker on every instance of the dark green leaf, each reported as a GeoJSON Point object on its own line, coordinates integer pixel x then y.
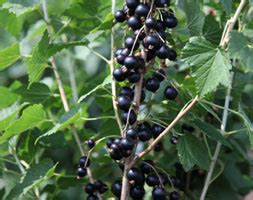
{"type": "Point", "coordinates": [212, 30]}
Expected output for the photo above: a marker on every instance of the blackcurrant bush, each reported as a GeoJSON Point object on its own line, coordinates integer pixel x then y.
{"type": "Point", "coordinates": [170, 21]}
{"type": "Point", "coordinates": [152, 84]}
{"type": "Point", "coordinates": [159, 74]}
{"type": "Point", "coordinates": [127, 91]}
{"type": "Point", "coordinates": [137, 192]}
{"type": "Point", "coordinates": [134, 22]}
{"type": "Point", "coordinates": [151, 23]}
{"type": "Point", "coordinates": [133, 76]}
{"type": "Point", "coordinates": [116, 188]}
{"type": "Point", "coordinates": [132, 3]}
{"type": "Point", "coordinates": [152, 42]}
{"type": "Point", "coordinates": [163, 52]}
{"type": "Point", "coordinates": [120, 16]}
{"type": "Point", "coordinates": [174, 195]}
{"type": "Point", "coordinates": [84, 161]}
{"type": "Point", "coordinates": [172, 55]}
{"type": "Point", "coordinates": [90, 188]}
{"type": "Point", "coordinates": [159, 193]}
{"type": "Point", "coordinates": [174, 139]}
{"type": "Point", "coordinates": [152, 180]}
{"type": "Point", "coordinates": [91, 143]}
{"type": "Point", "coordinates": [131, 62]}
{"type": "Point", "coordinates": [131, 117]}
{"type": "Point", "coordinates": [147, 166]}
{"type": "Point", "coordinates": [119, 74]}
{"type": "Point", "coordinates": [81, 172]}
{"type": "Point", "coordinates": [170, 93]}
{"type": "Point", "coordinates": [124, 102]}
{"type": "Point", "coordinates": [132, 42]}
{"type": "Point", "coordinates": [142, 10]}
{"type": "Point", "coordinates": [131, 133]}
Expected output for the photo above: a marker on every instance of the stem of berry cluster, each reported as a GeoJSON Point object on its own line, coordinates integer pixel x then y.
{"type": "Point", "coordinates": [224, 40]}
{"type": "Point", "coordinates": [62, 92]}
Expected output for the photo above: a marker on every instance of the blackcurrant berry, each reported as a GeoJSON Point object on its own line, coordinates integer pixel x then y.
{"type": "Point", "coordinates": [142, 10]}
{"type": "Point", "coordinates": [151, 23]}
{"type": "Point", "coordinates": [131, 117]}
{"type": "Point", "coordinates": [144, 126]}
{"type": "Point", "coordinates": [132, 3]}
{"type": "Point", "coordinates": [109, 142]}
{"type": "Point", "coordinates": [164, 178]}
{"type": "Point", "coordinates": [115, 152]}
{"type": "Point", "coordinates": [141, 35]}
{"type": "Point", "coordinates": [137, 192]}
{"type": "Point", "coordinates": [116, 188]}
{"type": "Point", "coordinates": [131, 62]}
{"type": "Point", "coordinates": [172, 55]}
{"type": "Point", "coordinates": [141, 62]}
{"type": "Point", "coordinates": [118, 52]}
{"type": "Point", "coordinates": [170, 93]}
{"type": "Point", "coordinates": [131, 42]}
{"type": "Point", "coordinates": [124, 102]}
{"type": "Point", "coordinates": [120, 16]}
{"type": "Point", "coordinates": [152, 180]}
{"type": "Point", "coordinates": [127, 144]}
{"type": "Point", "coordinates": [170, 21]}
{"type": "Point", "coordinates": [159, 74]}
{"type": "Point", "coordinates": [90, 188]}
{"type": "Point", "coordinates": [160, 26]}
{"type": "Point", "coordinates": [146, 166]}
{"type": "Point", "coordinates": [92, 197]}
{"type": "Point", "coordinates": [174, 139]}
{"type": "Point", "coordinates": [163, 52]}
{"type": "Point", "coordinates": [174, 195]}
{"type": "Point", "coordinates": [162, 3]}
{"type": "Point", "coordinates": [127, 91]}
{"type": "Point", "coordinates": [119, 74]}
{"type": "Point", "coordinates": [100, 187]}
{"type": "Point", "coordinates": [131, 133]}
{"type": "Point", "coordinates": [133, 76]}
{"type": "Point", "coordinates": [134, 22]}
{"type": "Point", "coordinates": [150, 55]}
{"type": "Point", "coordinates": [159, 193]}
{"type": "Point", "coordinates": [162, 34]}
{"type": "Point", "coordinates": [91, 143]}
{"type": "Point", "coordinates": [157, 130]}
{"type": "Point", "coordinates": [158, 147]}
{"type": "Point", "coordinates": [84, 161]}
{"type": "Point", "coordinates": [128, 11]}
{"type": "Point", "coordinates": [152, 42]}
{"type": "Point", "coordinates": [144, 135]}
{"type": "Point", "coordinates": [152, 84]}
{"type": "Point", "coordinates": [134, 175]}
{"type": "Point", "coordinates": [81, 172]}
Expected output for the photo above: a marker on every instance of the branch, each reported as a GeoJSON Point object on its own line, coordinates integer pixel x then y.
{"type": "Point", "coordinates": [225, 38]}
{"type": "Point", "coordinates": [113, 84]}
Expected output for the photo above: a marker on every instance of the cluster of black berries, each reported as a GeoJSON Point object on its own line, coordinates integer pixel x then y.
{"type": "Point", "coordinates": [146, 173]}
{"type": "Point", "coordinates": [92, 189]}
{"type": "Point", "coordinates": [84, 162]}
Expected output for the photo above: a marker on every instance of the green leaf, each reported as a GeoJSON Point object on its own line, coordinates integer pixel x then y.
{"type": "Point", "coordinates": [191, 151]}
{"type": "Point", "coordinates": [194, 15]}
{"type": "Point", "coordinates": [238, 48]}
{"type": "Point", "coordinates": [7, 97]}
{"type": "Point", "coordinates": [106, 24]}
{"type": "Point", "coordinates": [227, 5]}
{"type": "Point", "coordinates": [211, 132]}
{"type": "Point", "coordinates": [210, 64]}
{"type": "Point", "coordinates": [19, 9]}
{"type": "Point", "coordinates": [37, 93]}
{"type": "Point", "coordinates": [34, 176]}
{"type": "Point", "coordinates": [31, 117]}
{"type": "Point", "coordinates": [212, 30]}
{"type": "Point", "coordinates": [9, 56]}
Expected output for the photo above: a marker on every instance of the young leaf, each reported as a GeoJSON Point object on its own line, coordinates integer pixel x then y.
{"type": "Point", "coordinates": [9, 56]}
{"type": "Point", "coordinates": [210, 64]}
{"type": "Point", "coordinates": [31, 117]}
{"type": "Point", "coordinates": [238, 48]}
{"type": "Point", "coordinates": [191, 151]}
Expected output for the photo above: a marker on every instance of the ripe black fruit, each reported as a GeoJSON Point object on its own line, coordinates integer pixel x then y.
{"type": "Point", "coordinates": [157, 130]}
{"type": "Point", "coordinates": [144, 135]}
{"type": "Point", "coordinates": [152, 180]}
{"type": "Point", "coordinates": [81, 172]}
{"type": "Point", "coordinates": [170, 93]}
{"type": "Point", "coordinates": [174, 195]}
{"type": "Point", "coordinates": [92, 197]}
{"type": "Point", "coordinates": [124, 102]}
{"type": "Point", "coordinates": [132, 3]}
{"type": "Point", "coordinates": [174, 139]}
{"type": "Point", "coordinates": [151, 23]}
{"type": "Point", "coordinates": [134, 22]}
{"type": "Point", "coordinates": [100, 187]}
{"type": "Point", "coordinates": [172, 55]}
{"type": "Point", "coordinates": [119, 75]}
{"type": "Point", "coordinates": [131, 117]}
{"type": "Point", "coordinates": [152, 42]}
{"type": "Point", "coordinates": [90, 188]}
{"type": "Point", "coordinates": [126, 144]}
{"type": "Point", "coordinates": [170, 21]}
{"type": "Point", "coordinates": [164, 178]}
{"type": "Point", "coordinates": [152, 84]}
{"type": "Point", "coordinates": [131, 43]}
{"type": "Point", "coordinates": [159, 193]}
{"type": "Point", "coordinates": [131, 133]}
{"type": "Point", "coordinates": [91, 143]}
{"type": "Point", "coordinates": [146, 166]}
{"type": "Point", "coordinates": [142, 10]}
{"type": "Point", "coordinates": [127, 91]}
{"type": "Point", "coordinates": [134, 175]}
{"type": "Point", "coordinates": [158, 147]}
{"type": "Point", "coordinates": [141, 35]}
{"type": "Point", "coordinates": [133, 76]}
{"type": "Point", "coordinates": [131, 62]}
{"type": "Point", "coordinates": [163, 52]}
{"type": "Point", "coordinates": [116, 188]}
{"type": "Point", "coordinates": [162, 3]}
{"type": "Point", "coordinates": [137, 192]}
{"type": "Point", "coordinates": [84, 161]}
{"type": "Point", "coordinates": [159, 74]}
{"type": "Point", "coordinates": [115, 152]}
{"type": "Point", "coordinates": [109, 142]}
{"type": "Point", "coordinates": [120, 16]}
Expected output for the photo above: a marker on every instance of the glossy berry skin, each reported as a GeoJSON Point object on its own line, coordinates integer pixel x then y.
{"type": "Point", "coordinates": [100, 187]}
{"type": "Point", "coordinates": [84, 161]}
{"type": "Point", "coordinates": [131, 133]}
{"type": "Point", "coordinates": [170, 21]}
{"type": "Point", "coordinates": [90, 188]}
{"type": "Point", "coordinates": [162, 3]}
{"type": "Point", "coordinates": [159, 74]}
{"type": "Point", "coordinates": [134, 22]}
{"type": "Point", "coordinates": [137, 192]}
{"type": "Point", "coordinates": [115, 152]}
{"type": "Point", "coordinates": [144, 132]}
{"type": "Point", "coordinates": [126, 144]}
{"type": "Point", "coordinates": [172, 55]}
{"type": "Point", "coordinates": [134, 175]}
{"type": "Point", "coordinates": [152, 42]}
{"type": "Point", "coordinates": [142, 10]}
{"type": "Point", "coordinates": [160, 26]}
{"type": "Point", "coordinates": [131, 62]}
{"type": "Point", "coordinates": [92, 197]}
{"type": "Point", "coordinates": [140, 35]}
{"type": "Point", "coordinates": [132, 3]}
{"type": "Point", "coordinates": [174, 195]}
{"type": "Point", "coordinates": [133, 76]}
{"type": "Point", "coordinates": [174, 139]}
{"type": "Point", "coordinates": [151, 23]}
{"type": "Point", "coordinates": [81, 172]}
{"type": "Point", "coordinates": [164, 178]}
{"type": "Point", "coordinates": [91, 143]}
{"type": "Point", "coordinates": [127, 91]}
{"type": "Point", "coordinates": [158, 147]}
{"type": "Point", "coordinates": [124, 102]}
{"type": "Point", "coordinates": [119, 75]}
{"type": "Point", "coordinates": [146, 166]}
{"type": "Point", "coordinates": [116, 188]}
{"type": "Point", "coordinates": [120, 16]}
{"type": "Point", "coordinates": [170, 93]}
{"type": "Point", "coordinates": [156, 130]}
{"type": "Point", "coordinates": [152, 84]}
{"type": "Point", "coordinates": [152, 180]}
{"type": "Point", "coordinates": [130, 42]}
{"type": "Point", "coordinates": [109, 142]}
{"type": "Point", "coordinates": [163, 52]}
{"type": "Point", "coordinates": [122, 55]}
{"type": "Point", "coordinates": [159, 193]}
{"type": "Point", "coordinates": [131, 118]}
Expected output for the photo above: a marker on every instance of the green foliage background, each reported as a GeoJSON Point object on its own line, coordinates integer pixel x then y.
{"type": "Point", "coordinates": [38, 156]}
